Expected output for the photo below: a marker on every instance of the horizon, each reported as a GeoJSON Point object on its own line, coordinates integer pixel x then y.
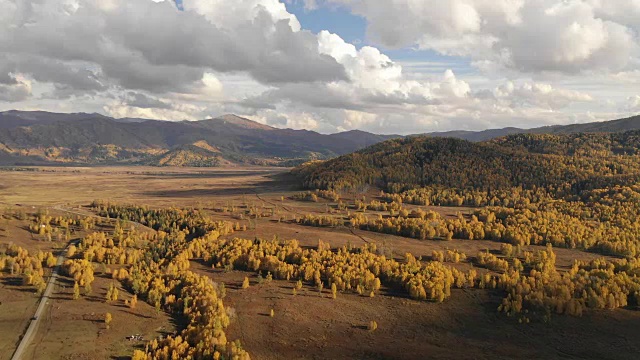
{"type": "Point", "coordinates": [329, 133]}
{"type": "Point", "coordinates": [326, 65]}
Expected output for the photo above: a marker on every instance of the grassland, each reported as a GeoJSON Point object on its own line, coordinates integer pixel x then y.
{"type": "Point", "coordinates": [309, 325]}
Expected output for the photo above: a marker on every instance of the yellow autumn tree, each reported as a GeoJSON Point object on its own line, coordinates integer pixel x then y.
{"type": "Point", "coordinates": [76, 291]}
{"type": "Point", "coordinates": [107, 320]}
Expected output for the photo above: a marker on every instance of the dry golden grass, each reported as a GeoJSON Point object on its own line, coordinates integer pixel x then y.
{"type": "Point", "coordinates": [311, 325]}
{"type": "Point", "coordinates": [149, 185]}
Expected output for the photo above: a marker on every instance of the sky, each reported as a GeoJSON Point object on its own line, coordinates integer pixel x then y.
{"type": "Point", "coordinates": [389, 67]}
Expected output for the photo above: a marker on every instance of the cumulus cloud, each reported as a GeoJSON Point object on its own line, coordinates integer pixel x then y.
{"type": "Point", "coordinates": [372, 78]}
{"type": "Point", "coordinates": [14, 88]}
{"type": "Point", "coordinates": [538, 95]}
{"type": "Point", "coordinates": [444, 102]}
{"type": "Point", "coordinates": [192, 59]}
{"type": "Point", "coordinates": [633, 103]}
{"type": "Point", "coordinates": [153, 46]}
{"type": "Point", "coordinates": [527, 35]}
{"type": "Point", "coordinates": [76, 75]}
{"type": "Point", "coordinates": [143, 101]}
{"type": "Point", "coordinates": [177, 112]}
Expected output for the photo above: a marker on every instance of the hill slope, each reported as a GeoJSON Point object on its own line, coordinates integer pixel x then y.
{"type": "Point", "coordinates": [198, 154]}
{"type": "Point", "coordinates": [527, 160]}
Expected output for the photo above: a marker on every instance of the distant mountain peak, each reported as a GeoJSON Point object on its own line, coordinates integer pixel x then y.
{"type": "Point", "coordinates": [243, 122]}
{"type": "Point", "coordinates": [354, 131]}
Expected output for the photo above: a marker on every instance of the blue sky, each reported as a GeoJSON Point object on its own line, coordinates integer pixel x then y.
{"type": "Point", "coordinates": [337, 20]}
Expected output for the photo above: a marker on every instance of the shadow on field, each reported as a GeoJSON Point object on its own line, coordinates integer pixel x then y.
{"type": "Point", "coordinates": [272, 183]}
{"type": "Point", "coordinates": [191, 193]}
{"type": "Point", "coordinates": [136, 314]}
{"type": "Point", "coordinates": [209, 174]}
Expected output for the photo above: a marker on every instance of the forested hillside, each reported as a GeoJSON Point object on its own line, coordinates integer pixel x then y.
{"type": "Point", "coordinates": [528, 160]}
{"type": "Point", "coordinates": [577, 144]}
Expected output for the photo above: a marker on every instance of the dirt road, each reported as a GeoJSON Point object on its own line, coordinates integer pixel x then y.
{"type": "Point", "coordinates": [35, 320]}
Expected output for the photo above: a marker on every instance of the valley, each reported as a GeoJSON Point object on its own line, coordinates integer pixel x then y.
{"type": "Point", "coordinates": [265, 204]}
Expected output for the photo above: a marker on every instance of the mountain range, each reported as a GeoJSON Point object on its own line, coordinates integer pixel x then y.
{"type": "Point", "coordinates": [42, 137]}
{"type": "Point", "coordinates": [631, 123]}
{"type": "Point", "coordinates": [38, 137]}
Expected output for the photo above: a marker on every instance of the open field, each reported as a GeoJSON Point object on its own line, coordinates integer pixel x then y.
{"type": "Point", "coordinates": [74, 329]}
{"type": "Point", "coordinates": [146, 185]}
{"type": "Point", "coordinates": [309, 325]}
{"type": "Point", "coordinates": [18, 304]}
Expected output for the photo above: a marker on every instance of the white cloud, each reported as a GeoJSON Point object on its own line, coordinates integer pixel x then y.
{"type": "Point", "coordinates": [538, 95]}
{"type": "Point", "coordinates": [124, 111]}
{"type": "Point", "coordinates": [450, 86]}
{"type": "Point", "coordinates": [14, 88]}
{"type": "Point", "coordinates": [633, 103]}
{"type": "Point", "coordinates": [293, 120]}
{"type": "Point", "coordinates": [536, 62]}
{"type": "Point", "coordinates": [153, 46]}
{"type": "Point", "coordinates": [528, 35]}
{"type": "Point", "coordinates": [358, 119]}
{"type": "Point", "coordinates": [233, 14]}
